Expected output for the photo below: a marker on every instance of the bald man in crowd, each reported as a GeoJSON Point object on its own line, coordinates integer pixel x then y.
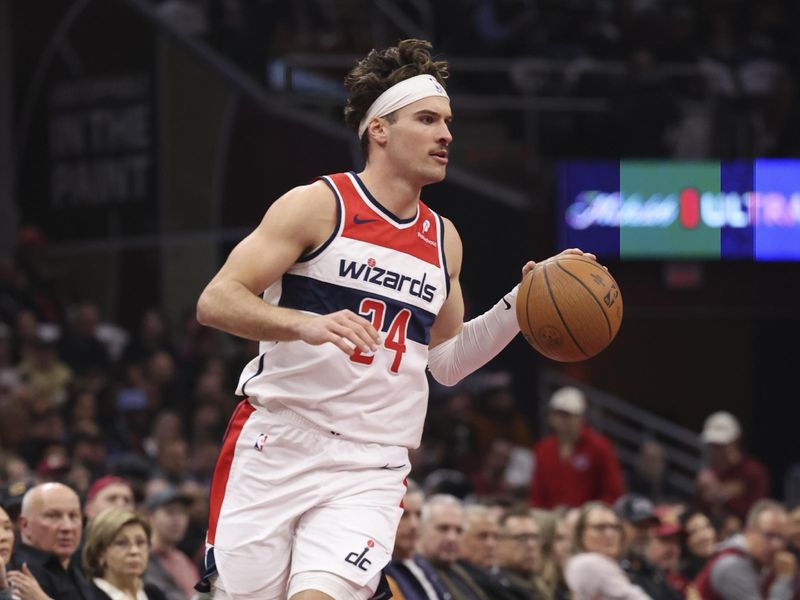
{"type": "Point", "coordinates": [50, 528]}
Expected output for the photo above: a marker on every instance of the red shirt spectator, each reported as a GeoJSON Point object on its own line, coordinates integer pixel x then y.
{"type": "Point", "coordinates": [575, 464]}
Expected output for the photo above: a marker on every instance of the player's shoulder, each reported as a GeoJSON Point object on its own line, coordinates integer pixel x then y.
{"type": "Point", "coordinates": [316, 191]}
{"type": "Point", "coordinates": [450, 231]}
{"type": "Point", "coordinates": [313, 198]}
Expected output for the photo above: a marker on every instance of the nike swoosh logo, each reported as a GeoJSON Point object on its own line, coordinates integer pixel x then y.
{"type": "Point", "coordinates": [358, 221]}
{"type": "Point", "coordinates": [506, 302]}
{"type": "Point", "coordinates": [397, 468]}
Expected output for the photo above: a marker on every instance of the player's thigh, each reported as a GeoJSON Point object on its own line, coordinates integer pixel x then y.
{"type": "Point", "coordinates": [265, 494]}
{"type": "Point", "coordinates": [352, 535]}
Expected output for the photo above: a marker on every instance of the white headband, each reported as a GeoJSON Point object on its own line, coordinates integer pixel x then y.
{"type": "Point", "coordinates": [402, 94]}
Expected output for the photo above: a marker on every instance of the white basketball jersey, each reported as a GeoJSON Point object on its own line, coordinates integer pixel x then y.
{"type": "Point", "coordinates": [390, 271]}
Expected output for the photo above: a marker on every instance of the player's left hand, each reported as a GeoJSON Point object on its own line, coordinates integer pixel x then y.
{"type": "Point", "coordinates": [528, 266]}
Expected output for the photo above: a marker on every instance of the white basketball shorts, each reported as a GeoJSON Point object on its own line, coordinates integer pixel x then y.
{"type": "Point", "coordinates": [288, 498]}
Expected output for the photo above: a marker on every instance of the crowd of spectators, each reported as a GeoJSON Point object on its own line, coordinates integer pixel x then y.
{"type": "Point", "coordinates": [716, 78]}
{"type": "Point", "coordinates": [134, 419]}
{"type": "Point", "coordinates": [631, 550]}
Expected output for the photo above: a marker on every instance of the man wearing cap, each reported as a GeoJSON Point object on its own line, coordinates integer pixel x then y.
{"type": "Point", "coordinates": [664, 550]}
{"type": "Point", "coordinates": [733, 481]}
{"type": "Point", "coordinates": [168, 568]}
{"type": "Point", "coordinates": [640, 523]}
{"type": "Point", "coordinates": [575, 464]}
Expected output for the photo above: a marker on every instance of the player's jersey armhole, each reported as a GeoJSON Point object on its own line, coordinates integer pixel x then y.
{"type": "Point", "coordinates": [339, 216]}
{"type": "Point", "coordinates": [442, 254]}
{"type": "Point", "coordinates": [254, 375]}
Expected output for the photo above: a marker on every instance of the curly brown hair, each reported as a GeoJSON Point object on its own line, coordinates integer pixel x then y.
{"type": "Point", "coordinates": [380, 70]}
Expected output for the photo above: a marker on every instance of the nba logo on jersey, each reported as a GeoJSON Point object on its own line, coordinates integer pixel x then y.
{"type": "Point", "coordinates": [260, 441]}
{"type": "Point", "coordinates": [426, 225]}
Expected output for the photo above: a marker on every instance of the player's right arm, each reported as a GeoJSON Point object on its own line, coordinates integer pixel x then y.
{"type": "Point", "coordinates": [296, 223]}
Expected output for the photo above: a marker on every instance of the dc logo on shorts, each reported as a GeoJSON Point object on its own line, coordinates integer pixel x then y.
{"type": "Point", "coordinates": [360, 560]}
{"type": "Point", "coordinates": [260, 441]}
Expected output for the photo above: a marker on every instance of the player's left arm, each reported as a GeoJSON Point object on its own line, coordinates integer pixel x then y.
{"type": "Point", "coordinates": [457, 348]}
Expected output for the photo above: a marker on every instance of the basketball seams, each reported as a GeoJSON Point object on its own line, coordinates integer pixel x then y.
{"type": "Point", "coordinates": [589, 290]}
{"type": "Point", "coordinates": [527, 312]}
{"type": "Point", "coordinates": [558, 310]}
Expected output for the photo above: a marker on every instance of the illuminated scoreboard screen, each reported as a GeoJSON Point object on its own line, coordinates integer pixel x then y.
{"type": "Point", "coordinates": [740, 210]}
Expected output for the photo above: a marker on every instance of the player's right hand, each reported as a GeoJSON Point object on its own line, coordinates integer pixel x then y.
{"type": "Point", "coordinates": [344, 329]}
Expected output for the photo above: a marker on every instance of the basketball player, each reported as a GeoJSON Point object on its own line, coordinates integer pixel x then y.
{"type": "Point", "coordinates": [351, 285]}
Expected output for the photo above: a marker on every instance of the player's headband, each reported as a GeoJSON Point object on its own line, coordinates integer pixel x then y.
{"type": "Point", "coordinates": [402, 94]}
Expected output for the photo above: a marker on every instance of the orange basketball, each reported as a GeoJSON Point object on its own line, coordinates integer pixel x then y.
{"type": "Point", "coordinates": [569, 308]}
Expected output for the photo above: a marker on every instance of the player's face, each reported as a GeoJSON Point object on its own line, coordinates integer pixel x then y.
{"type": "Point", "coordinates": [419, 138]}
{"type": "Point", "coordinates": [441, 536]}
{"type": "Point", "coordinates": [479, 545]}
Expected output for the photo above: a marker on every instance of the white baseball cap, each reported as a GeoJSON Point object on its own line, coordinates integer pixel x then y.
{"type": "Point", "coordinates": [568, 399]}
{"type": "Point", "coordinates": [721, 428]}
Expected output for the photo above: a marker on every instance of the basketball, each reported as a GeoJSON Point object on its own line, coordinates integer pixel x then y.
{"type": "Point", "coordinates": [569, 308]}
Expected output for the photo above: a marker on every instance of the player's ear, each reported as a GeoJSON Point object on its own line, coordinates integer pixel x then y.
{"type": "Point", "coordinates": [378, 131]}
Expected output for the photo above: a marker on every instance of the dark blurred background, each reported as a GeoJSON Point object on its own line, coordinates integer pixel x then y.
{"type": "Point", "coordinates": [140, 140]}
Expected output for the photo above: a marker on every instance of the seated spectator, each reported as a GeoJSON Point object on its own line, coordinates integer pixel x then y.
{"type": "Point", "coordinates": [80, 347]}
{"type": "Point", "coordinates": [556, 548]}
{"type": "Point", "coordinates": [45, 374]}
{"type": "Point", "coordinates": [754, 565]}
{"type": "Point", "coordinates": [699, 543]}
{"type": "Point", "coordinates": [794, 531]}
{"type": "Point", "coordinates": [479, 555]}
{"type": "Point", "coordinates": [639, 522]}
{"type": "Point", "coordinates": [733, 481]}
{"type": "Point", "coordinates": [575, 464]}
{"type": "Point", "coordinates": [664, 553]}
{"type": "Point", "coordinates": [650, 474]}
{"type": "Point", "coordinates": [108, 492]}
{"type": "Point", "coordinates": [115, 556]}
{"type": "Point", "coordinates": [50, 526]}
{"type": "Point", "coordinates": [638, 518]}
{"type": "Point", "coordinates": [401, 571]}
{"type": "Point", "coordinates": [498, 414]}
{"type": "Point", "coordinates": [520, 552]}
{"type": "Point", "coordinates": [25, 582]}
{"type": "Point", "coordinates": [169, 569]}
{"type": "Point", "coordinates": [479, 542]}
{"type": "Point", "coordinates": [434, 572]}
{"type": "Point", "coordinates": [594, 573]}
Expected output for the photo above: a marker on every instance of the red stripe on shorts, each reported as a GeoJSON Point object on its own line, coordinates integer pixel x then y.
{"type": "Point", "coordinates": [223, 468]}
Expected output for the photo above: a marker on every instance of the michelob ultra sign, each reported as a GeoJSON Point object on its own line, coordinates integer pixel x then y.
{"type": "Point", "coordinates": [708, 210]}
